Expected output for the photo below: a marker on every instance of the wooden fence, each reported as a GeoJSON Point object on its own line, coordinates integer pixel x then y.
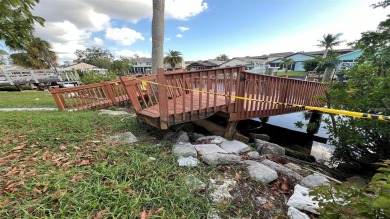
{"type": "Point", "coordinates": [93, 96]}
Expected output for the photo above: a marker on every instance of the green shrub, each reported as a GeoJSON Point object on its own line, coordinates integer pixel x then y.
{"type": "Point", "coordinates": [352, 201]}
{"type": "Point", "coordinates": [95, 77]}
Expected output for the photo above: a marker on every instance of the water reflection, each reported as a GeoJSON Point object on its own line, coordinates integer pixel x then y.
{"type": "Point", "coordinates": [283, 131]}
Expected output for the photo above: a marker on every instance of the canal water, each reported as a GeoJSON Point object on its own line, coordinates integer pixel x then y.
{"type": "Point", "coordinates": [283, 131]}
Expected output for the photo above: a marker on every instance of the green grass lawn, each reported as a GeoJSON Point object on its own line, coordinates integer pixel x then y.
{"type": "Point", "coordinates": [57, 165]}
{"type": "Point", "coordinates": [26, 99]}
{"type": "Point", "coordinates": [292, 73]}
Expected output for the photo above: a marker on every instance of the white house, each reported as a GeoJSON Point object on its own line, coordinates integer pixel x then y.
{"type": "Point", "coordinates": [248, 62]}
{"type": "Point", "coordinates": [144, 66]}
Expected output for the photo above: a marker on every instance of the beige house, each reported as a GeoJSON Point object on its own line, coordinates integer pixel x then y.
{"type": "Point", "coordinates": [84, 67]}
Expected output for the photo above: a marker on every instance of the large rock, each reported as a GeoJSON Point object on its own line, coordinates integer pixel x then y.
{"type": "Point", "coordinates": [184, 150]}
{"type": "Point", "coordinates": [214, 139]}
{"type": "Point", "coordinates": [236, 147]}
{"type": "Point", "coordinates": [260, 172]}
{"type": "Point", "coordinates": [294, 213]}
{"type": "Point", "coordinates": [182, 137]}
{"type": "Point", "coordinates": [264, 147]}
{"type": "Point", "coordinates": [302, 200]}
{"type": "Point", "coordinates": [209, 149]}
{"type": "Point", "coordinates": [175, 137]}
{"type": "Point", "coordinates": [314, 180]}
{"type": "Point", "coordinates": [281, 169]}
{"type": "Point", "coordinates": [195, 136]}
{"type": "Point", "coordinates": [220, 158]}
{"type": "Point", "coordinates": [220, 189]}
{"type": "Point", "coordinates": [188, 162]}
{"type": "Point", "coordinates": [253, 155]}
{"type": "Point", "coordinates": [263, 137]}
{"type": "Point", "coordinates": [124, 138]}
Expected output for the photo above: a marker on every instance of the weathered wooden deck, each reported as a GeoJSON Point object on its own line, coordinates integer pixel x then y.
{"type": "Point", "coordinates": [171, 98]}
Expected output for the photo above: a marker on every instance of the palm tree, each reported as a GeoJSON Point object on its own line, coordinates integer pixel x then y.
{"type": "Point", "coordinates": [173, 57]}
{"type": "Point", "coordinates": [158, 35]}
{"type": "Point", "coordinates": [36, 55]}
{"type": "Point", "coordinates": [328, 41]}
{"type": "Point", "coordinates": [287, 62]}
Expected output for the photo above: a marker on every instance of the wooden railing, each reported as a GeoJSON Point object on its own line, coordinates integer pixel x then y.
{"type": "Point", "coordinates": [207, 92]}
{"type": "Point", "coordinates": [93, 96]}
{"type": "Point", "coordinates": [274, 89]}
{"type": "Point", "coordinates": [142, 95]}
{"type": "Point", "coordinates": [194, 95]}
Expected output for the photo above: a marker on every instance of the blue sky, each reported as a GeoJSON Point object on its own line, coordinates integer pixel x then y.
{"type": "Point", "coordinates": [208, 27]}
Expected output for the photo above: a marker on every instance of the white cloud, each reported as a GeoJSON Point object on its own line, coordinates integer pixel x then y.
{"type": "Point", "coordinates": [124, 36]}
{"type": "Point", "coordinates": [130, 53]}
{"type": "Point", "coordinates": [71, 23]}
{"type": "Point", "coordinates": [184, 9]}
{"type": "Point", "coordinates": [179, 35]}
{"type": "Point", "coordinates": [183, 28]}
{"type": "Point", "coordinates": [97, 41]}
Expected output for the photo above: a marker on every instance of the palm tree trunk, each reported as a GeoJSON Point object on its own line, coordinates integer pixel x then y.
{"type": "Point", "coordinates": [326, 52]}
{"type": "Point", "coordinates": [158, 35]}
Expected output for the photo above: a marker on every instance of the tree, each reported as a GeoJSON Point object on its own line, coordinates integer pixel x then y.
{"type": "Point", "coordinates": [17, 22]}
{"type": "Point", "coordinates": [95, 56]}
{"type": "Point", "coordinates": [367, 89]}
{"type": "Point", "coordinates": [122, 65]}
{"type": "Point", "coordinates": [329, 41]}
{"type": "Point", "coordinates": [222, 57]}
{"type": "Point", "coordinates": [173, 57]}
{"type": "Point", "coordinates": [158, 35]}
{"type": "Point", "coordinates": [37, 54]}
{"type": "Point", "coordinates": [2, 59]}
{"type": "Point", "coordinates": [287, 62]}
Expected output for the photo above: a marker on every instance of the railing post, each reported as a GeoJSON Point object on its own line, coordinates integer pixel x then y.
{"type": "Point", "coordinates": [162, 98]}
{"type": "Point", "coordinates": [240, 92]}
{"type": "Point", "coordinates": [60, 102]}
{"type": "Point", "coordinates": [109, 93]}
{"type": "Point", "coordinates": [132, 96]}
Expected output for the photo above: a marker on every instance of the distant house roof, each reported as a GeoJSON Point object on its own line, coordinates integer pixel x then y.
{"type": "Point", "coordinates": [280, 54]}
{"type": "Point", "coordinates": [80, 66]}
{"type": "Point", "coordinates": [285, 57]}
{"type": "Point", "coordinates": [338, 51]}
{"type": "Point", "coordinates": [216, 62]}
{"type": "Point", "coordinates": [207, 63]}
{"type": "Point", "coordinates": [143, 59]}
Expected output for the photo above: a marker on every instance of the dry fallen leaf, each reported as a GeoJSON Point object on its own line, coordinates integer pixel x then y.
{"type": "Point", "coordinates": [4, 203]}
{"type": "Point", "coordinates": [101, 213]}
{"type": "Point", "coordinates": [237, 176]}
{"type": "Point", "coordinates": [268, 205]}
{"type": "Point", "coordinates": [20, 147]}
{"type": "Point", "coordinates": [39, 192]}
{"type": "Point", "coordinates": [146, 215]}
{"type": "Point", "coordinates": [9, 157]}
{"type": "Point", "coordinates": [58, 194]}
{"type": "Point", "coordinates": [83, 163]}
{"type": "Point", "coordinates": [62, 148]}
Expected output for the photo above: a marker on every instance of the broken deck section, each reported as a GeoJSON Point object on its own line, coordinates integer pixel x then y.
{"type": "Point", "coordinates": [170, 98]}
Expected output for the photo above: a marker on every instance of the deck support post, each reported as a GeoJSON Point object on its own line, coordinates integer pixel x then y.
{"type": "Point", "coordinates": [230, 129]}
{"type": "Point", "coordinates": [162, 98]}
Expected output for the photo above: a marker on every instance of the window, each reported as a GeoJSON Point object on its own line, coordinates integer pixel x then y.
{"type": "Point", "coordinates": [148, 63]}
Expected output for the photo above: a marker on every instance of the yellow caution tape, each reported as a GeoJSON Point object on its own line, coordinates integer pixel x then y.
{"type": "Point", "coordinates": [321, 109]}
